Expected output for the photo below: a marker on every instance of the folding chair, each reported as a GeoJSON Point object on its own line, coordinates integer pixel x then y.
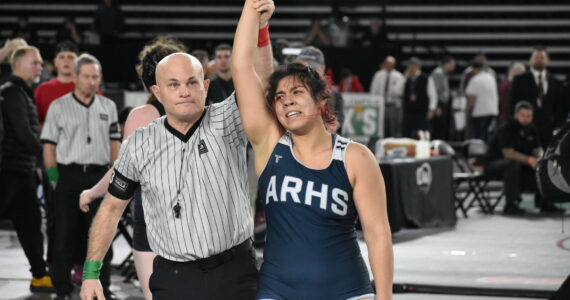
{"type": "Point", "coordinates": [471, 184]}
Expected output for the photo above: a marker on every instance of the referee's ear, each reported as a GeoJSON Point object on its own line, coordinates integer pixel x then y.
{"type": "Point", "coordinates": [206, 85]}
{"type": "Point", "coordinates": [156, 91]}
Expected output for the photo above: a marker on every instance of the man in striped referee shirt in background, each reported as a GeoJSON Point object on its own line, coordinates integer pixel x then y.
{"type": "Point", "coordinates": [81, 138]}
{"type": "Point", "coordinates": [191, 167]}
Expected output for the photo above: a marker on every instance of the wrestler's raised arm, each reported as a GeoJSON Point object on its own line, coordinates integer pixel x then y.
{"type": "Point", "coordinates": [260, 124]}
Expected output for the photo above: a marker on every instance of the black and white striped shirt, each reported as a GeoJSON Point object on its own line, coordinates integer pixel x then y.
{"type": "Point", "coordinates": [81, 132]}
{"type": "Point", "coordinates": [204, 171]}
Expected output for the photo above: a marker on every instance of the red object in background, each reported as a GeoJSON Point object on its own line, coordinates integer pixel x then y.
{"type": "Point", "coordinates": [355, 86]}
{"type": "Point", "coordinates": [49, 91]}
{"type": "Point", "coordinates": [504, 100]}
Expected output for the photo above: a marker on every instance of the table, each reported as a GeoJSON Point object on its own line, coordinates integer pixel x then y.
{"type": "Point", "coordinates": [419, 192]}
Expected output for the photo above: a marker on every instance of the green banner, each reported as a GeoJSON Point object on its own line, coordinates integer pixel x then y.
{"type": "Point", "coordinates": [364, 116]}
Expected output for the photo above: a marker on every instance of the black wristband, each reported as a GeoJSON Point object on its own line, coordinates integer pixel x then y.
{"type": "Point", "coordinates": [122, 187]}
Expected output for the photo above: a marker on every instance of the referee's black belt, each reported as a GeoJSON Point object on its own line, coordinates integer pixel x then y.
{"type": "Point", "coordinates": [85, 168]}
{"type": "Point", "coordinates": [219, 259]}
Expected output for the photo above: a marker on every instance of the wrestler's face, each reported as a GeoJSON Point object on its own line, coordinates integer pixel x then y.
{"type": "Point", "coordinates": [295, 107]}
{"type": "Point", "coordinates": [180, 86]}
{"type": "Point", "coordinates": [64, 62]}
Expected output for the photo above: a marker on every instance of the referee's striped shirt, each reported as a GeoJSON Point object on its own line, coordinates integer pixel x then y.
{"type": "Point", "coordinates": [81, 132]}
{"type": "Point", "coordinates": [205, 170]}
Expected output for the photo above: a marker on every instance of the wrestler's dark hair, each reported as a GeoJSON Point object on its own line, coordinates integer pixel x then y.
{"type": "Point", "coordinates": [152, 54]}
{"type": "Point", "coordinates": [315, 84]}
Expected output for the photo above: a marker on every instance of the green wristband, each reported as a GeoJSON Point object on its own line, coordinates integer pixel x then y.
{"type": "Point", "coordinates": [52, 173]}
{"type": "Point", "coordinates": [91, 269]}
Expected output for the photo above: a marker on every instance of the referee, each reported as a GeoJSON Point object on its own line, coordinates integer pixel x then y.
{"type": "Point", "coordinates": [191, 168]}
{"type": "Point", "coordinates": [81, 137]}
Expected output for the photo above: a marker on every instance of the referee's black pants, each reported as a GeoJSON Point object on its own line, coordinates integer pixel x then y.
{"type": "Point", "coordinates": [72, 225]}
{"type": "Point", "coordinates": [234, 279]}
{"type": "Point", "coordinates": [19, 203]}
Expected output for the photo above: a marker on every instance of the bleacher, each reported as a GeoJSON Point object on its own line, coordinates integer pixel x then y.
{"type": "Point", "coordinates": [505, 30]}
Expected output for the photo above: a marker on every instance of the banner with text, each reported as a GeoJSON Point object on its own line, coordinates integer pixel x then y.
{"type": "Point", "coordinates": [363, 116]}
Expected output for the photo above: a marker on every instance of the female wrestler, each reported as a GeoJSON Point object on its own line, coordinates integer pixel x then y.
{"type": "Point", "coordinates": [314, 184]}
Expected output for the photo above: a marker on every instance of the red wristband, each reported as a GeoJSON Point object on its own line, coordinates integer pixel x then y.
{"type": "Point", "coordinates": [529, 159]}
{"type": "Point", "coordinates": [263, 37]}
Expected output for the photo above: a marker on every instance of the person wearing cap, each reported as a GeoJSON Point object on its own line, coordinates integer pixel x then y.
{"type": "Point", "coordinates": [314, 58]}
{"type": "Point", "coordinates": [81, 139]}
{"type": "Point", "coordinates": [419, 100]}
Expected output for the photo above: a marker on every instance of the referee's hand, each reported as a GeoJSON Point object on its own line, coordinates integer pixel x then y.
{"type": "Point", "coordinates": [84, 200]}
{"type": "Point", "coordinates": [91, 288]}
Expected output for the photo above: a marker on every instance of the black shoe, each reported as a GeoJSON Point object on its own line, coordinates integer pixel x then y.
{"type": "Point", "coordinates": [109, 295]}
{"type": "Point", "coordinates": [551, 208]}
{"type": "Point", "coordinates": [513, 210]}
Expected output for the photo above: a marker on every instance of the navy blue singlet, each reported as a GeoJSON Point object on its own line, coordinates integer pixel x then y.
{"type": "Point", "coordinates": [311, 250]}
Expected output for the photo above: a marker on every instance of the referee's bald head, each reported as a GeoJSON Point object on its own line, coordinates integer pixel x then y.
{"type": "Point", "coordinates": [177, 58]}
{"type": "Point", "coordinates": [180, 86]}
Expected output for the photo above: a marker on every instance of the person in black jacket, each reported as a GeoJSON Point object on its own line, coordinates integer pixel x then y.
{"type": "Point", "coordinates": [513, 155]}
{"type": "Point", "coordinates": [21, 150]}
{"type": "Point", "coordinates": [543, 92]}
{"type": "Point", "coordinates": [419, 100]}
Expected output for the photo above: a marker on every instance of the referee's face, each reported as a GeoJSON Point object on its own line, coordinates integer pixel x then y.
{"type": "Point", "coordinates": [88, 79]}
{"type": "Point", "coordinates": [180, 87]}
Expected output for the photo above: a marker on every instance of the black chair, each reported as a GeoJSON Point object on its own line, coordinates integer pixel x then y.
{"type": "Point", "coordinates": [473, 188]}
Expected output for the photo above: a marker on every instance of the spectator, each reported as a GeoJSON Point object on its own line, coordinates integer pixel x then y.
{"type": "Point", "coordinates": [221, 86]}
{"type": "Point", "coordinates": [68, 32]}
{"type": "Point", "coordinates": [81, 139]}
{"type": "Point", "coordinates": [317, 36]}
{"type": "Point", "coordinates": [389, 83]}
{"type": "Point", "coordinates": [109, 21]}
{"type": "Point", "coordinates": [543, 91]}
{"type": "Point", "coordinates": [440, 76]}
{"type": "Point", "coordinates": [375, 35]}
{"type": "Point", "coordinates": [515, 69]}
{"type": "Point", "coordinates": [5, 54]}
{"type": "Point", "coordinates": [25, 31]}
{"type": "Point", "coordinates": [339, 32]}
{"type": "Point", "coordinates": [512, 154]}
{"type": "Point", "coordinates": [420, 99]}
{"type": "Point", "coordinates": [21, 153]}
{"type": "Point", "coordinates": [203, 57]}
{"type": "Point", "coordinates": [64, 61]}
{"type": "Point", "coordinates": [349, 82]}
{"type": "Point", "coordinates": [482, 101]}
{"type": "Point", "coordinates": [468, 72]}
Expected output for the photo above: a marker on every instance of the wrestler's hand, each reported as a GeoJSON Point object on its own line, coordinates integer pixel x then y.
{"type": "Point", "coordinates": [91, 288]}
{"type": "Point", "coordinates": [85, 199]}
{"type": "Point", "coordinates": [266, 9]}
